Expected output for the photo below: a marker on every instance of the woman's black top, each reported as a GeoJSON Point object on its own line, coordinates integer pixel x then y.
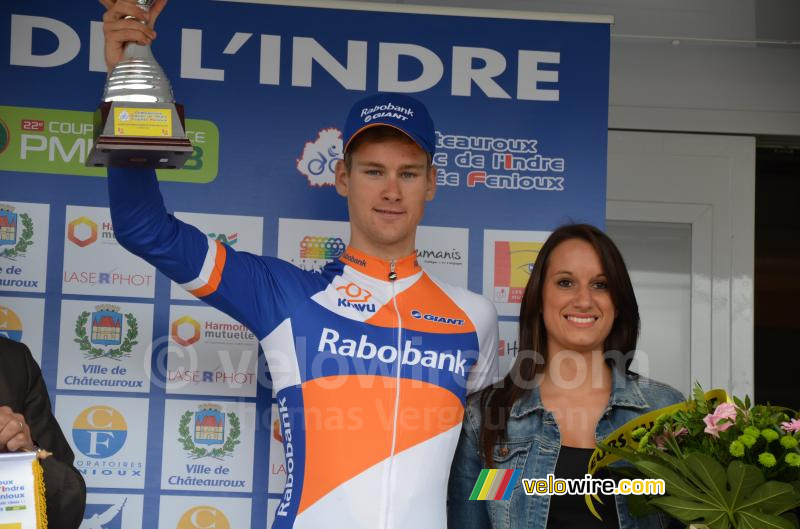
{"type": "Point", "coordinates": [570, 511]}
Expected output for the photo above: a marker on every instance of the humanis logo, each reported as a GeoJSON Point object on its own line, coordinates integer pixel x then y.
{"type": "Point", "coordinates": [104, 334]}
{"type": "Point", "coordinates": [209, 432]}
{"type": "Point", "coordinates": [99, 432]}
{"type": "Point", "coordinates": [319, 158]}
{"type": "Point", "coordinates": [316, 247]}
{"type": "Point", "coordinates": [14, 240]}
{"type": "Point", "coordinates": [230, 239]}
{"type": "Point", "coordinates": [203, 517]}
{"type": "Point", "coordinates": [355, 297]}
{"type": "Point", "coordinates": [10, 324]}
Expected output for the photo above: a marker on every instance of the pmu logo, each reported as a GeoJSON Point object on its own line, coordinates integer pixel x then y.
{"type": "Point", "coordinates": [185, 331]}
{"type": "Point", "coordinates": [230, 239]}
{"type": "Point", "coordinates": [204, 517]}
{"type": "Point", "coordinates": [99, 432]}
{"type": "Point", "coordinates": [82, 231]}
{"type": "Point", "coordinates": [436, 318]}
{"type": "Point", "coordinates": [10, 324]}
{"type": "Point", "coordinates": [316, 247]}
{"type": "Point", "coordinates": [355, 297]}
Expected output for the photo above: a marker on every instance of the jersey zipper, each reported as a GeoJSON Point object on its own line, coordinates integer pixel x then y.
{"type": "Point", "coordinates": [387, 486]}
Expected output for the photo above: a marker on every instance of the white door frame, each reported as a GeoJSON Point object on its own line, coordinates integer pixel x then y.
{"type": "Point", "coordinates": [707, 181]}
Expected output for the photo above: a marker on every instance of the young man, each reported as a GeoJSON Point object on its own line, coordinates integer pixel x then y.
{"type": "Point", "coordinates": [371, 359]}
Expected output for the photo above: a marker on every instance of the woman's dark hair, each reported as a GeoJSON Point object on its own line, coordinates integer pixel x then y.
{"type": "Point", "coordinates": [497, 401]}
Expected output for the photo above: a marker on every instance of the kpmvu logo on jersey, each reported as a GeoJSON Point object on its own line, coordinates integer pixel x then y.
{"type": "Point", "coordinates": [99, 432]}
{"type": "Point", "coordinates": [10, 324]}
{"type": "Point", "coordinates": [103, 334]}
{"type": "Point", "coordinates": [204, 517]}
{"type": "Point", "coordinates": [17, 243]}
{"type": "Point", "coordinates": [209, 432]}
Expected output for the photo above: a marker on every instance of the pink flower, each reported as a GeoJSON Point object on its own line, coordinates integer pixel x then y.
{"type": "Point", "coordinates": [681, 432]}
{"type": "Point", "coordinates": [714, 421]}
{"type": "Point", "coordinates": [792, 426]}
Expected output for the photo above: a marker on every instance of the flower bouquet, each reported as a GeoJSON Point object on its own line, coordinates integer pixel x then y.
{"type": "Point", "coordinates": [724, 464]}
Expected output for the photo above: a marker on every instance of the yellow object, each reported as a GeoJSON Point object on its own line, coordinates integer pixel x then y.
{"type": "Point", "coordinates": [622, 437]}
{"type": "Point", "coordinates": [149, 122]}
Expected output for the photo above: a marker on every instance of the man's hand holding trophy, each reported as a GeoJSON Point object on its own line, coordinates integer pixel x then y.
{"type": "Point", "coordinates": [138, 122]}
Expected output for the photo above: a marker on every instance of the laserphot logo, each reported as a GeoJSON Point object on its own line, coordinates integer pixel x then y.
{"type": "Point", "coordinates": [99, 432]}
{"type": "Point", "coordinates": [82, 231]}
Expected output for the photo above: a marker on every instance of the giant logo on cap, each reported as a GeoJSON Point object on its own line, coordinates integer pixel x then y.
{"type": "Point", "coordinates": [99, 432]}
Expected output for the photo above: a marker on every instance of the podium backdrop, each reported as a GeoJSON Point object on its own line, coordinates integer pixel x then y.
{"type": "Point", "coordinates": [165, 401]}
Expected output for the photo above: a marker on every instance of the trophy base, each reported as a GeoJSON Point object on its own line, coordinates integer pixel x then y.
{"type": "Point", "coordinates": [138, 134]}
{"type": "Point", "coordinates": [142, 152]}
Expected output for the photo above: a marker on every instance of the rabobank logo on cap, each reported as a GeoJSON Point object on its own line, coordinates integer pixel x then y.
{"type": "Point", "coordinates": [394, 110]}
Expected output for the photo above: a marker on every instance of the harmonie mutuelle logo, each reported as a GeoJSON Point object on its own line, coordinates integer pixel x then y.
{"type": "Point", "coordinates": [494, 484]}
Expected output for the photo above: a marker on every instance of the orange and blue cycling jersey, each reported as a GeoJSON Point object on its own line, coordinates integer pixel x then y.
{"type": "Point", "coordinates": [371, 363]}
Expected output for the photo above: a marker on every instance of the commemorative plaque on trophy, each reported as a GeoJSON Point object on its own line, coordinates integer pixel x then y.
{"type": "Point", "coordinates": [138, 123]}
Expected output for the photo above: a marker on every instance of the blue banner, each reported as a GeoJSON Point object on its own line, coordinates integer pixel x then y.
{"type": "Point", "coordinates": [520, 105]}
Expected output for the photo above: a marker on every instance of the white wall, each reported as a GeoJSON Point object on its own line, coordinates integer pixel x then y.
{"type": "Point", "coordinates": [728, 74]}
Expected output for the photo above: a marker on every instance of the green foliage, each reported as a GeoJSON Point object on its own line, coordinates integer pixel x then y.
{"type": "Point", "coordinates": [735, 478]}
{"type": "Point", "coordinates": [24, 241]}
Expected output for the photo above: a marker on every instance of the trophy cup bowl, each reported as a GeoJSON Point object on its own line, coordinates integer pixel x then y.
{"type": "Point", "coordinates": [138, 123]}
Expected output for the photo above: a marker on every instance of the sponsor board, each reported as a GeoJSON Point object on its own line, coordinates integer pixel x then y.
{"type": "Point", "coordinates": [22, 320]}
{"type": "Point", "coordinates": [272, 506]}
{"type": "Point", "coordinates": [239, 232]}
{"type": "Point", "coordinates": [43, 140]}
{"type": "Point", "coordinates": [24, 230]}
{"type": "Point", "coordinates": [208, 446]}
{"type": "Point", "coordinates": [277, 459]}
{"type": "Point", "coordinates": [104, 346]}
{"type": "Point", "coordinates": [210, 354]}
{"type": "Point", "coordinates": [444, 253]}
{"type": "Point", "coordinates": [508, 257]}
{"type": "Point", "coordinates": [508, 347]}
{"type": "Point", "coordinates": [113, 511]}
{"type": "Point", "coordinates": [109, 439]}
{"type": "Point", "coordinates": [310, 244]}
{"type": "Point", "coordinates": [203, 512]}
{"type": "Point", "coordinates": [95, 263]}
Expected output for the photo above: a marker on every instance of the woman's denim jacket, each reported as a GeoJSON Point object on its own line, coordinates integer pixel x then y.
{"type": "Point", "coordinates": [532, 444]}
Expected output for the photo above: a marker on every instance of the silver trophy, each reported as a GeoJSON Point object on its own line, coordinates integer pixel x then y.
{"type": "Point", "coordinates": [138, 123]}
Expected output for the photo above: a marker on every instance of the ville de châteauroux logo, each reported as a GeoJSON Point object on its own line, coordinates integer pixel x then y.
{"type": "Point", "coordinates": [9, 227]}
{"type": "Point", "coordinates": [204, 433]}
{"type": "Point", "coordinates": [107, 336]}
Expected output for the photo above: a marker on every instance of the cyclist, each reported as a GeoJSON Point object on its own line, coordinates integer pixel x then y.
{"type": "Point", "coordinates": [371, 358]}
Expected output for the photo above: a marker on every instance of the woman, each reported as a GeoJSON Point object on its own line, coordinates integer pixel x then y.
{"type": "Point", "coordinates": [569, 388]}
